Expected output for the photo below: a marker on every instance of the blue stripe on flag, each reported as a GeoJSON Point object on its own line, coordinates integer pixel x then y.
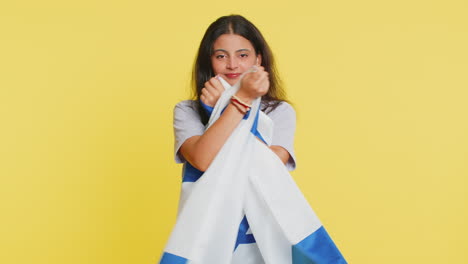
{"type": "Point", "coordinates": [317, 248]}
{"type": "Point", "coordinates": [169, 258]}
{"type": "Point", "coordinates": [242, 236]}
{"type": "Point", "coordinates": [208, 109]}
{"type": "Point", "coordinates": [191, 174]}
{"type": "Point", "coordinates": [254, 127]}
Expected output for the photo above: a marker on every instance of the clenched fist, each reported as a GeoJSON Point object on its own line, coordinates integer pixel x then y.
{"type": "Point", "coordinates": [254, 84]}
{"type": "Point", "coordinates": [212, 91]}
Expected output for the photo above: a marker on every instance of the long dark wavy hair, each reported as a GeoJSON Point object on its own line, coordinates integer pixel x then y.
{"type": "Point", "coordinates": [203, 70]}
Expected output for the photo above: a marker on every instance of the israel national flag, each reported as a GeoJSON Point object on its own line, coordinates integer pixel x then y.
{"type": "Point", "coordinates": [246, 208]}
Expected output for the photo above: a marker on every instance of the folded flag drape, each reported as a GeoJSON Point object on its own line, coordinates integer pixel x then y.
{"type": "Point", "coordinates": [246, 208]}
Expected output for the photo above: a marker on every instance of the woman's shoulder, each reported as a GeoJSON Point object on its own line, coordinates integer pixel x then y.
{"type": "Point", "coordinates": [279, 107]}
{"type": "Point", "coordinates": [186, 105]}
{"type": "Point", "coordinates": [283, 105]}
{"type": "Point", "coordinates": [186, 110]}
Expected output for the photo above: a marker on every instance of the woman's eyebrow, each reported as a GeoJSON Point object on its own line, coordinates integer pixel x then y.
{"type": "Point", "coordinates": [223, 50]}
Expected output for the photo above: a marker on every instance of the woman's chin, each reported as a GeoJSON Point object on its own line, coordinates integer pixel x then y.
{"type": "Point", "coordinates": [232, 81]}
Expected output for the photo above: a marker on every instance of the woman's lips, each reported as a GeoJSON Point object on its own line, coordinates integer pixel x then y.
{"type": "Point", "coordinates": [232, 75]}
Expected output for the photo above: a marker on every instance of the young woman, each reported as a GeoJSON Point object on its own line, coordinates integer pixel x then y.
{"type": "Point", "coordinates": [230, 47]}
{"type": "Point", "coordinates": [239, 204]}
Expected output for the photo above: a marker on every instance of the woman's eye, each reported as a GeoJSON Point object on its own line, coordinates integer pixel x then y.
{"type": "Point", "coordinates": [243, 55]}
{"type": "Point", "coordinates": [221, 56]}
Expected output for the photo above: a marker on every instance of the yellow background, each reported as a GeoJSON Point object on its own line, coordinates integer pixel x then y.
{"type": "Point", "coordinates": [87, 90]}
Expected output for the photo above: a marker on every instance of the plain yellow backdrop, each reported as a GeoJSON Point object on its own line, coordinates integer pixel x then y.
{"type": "Point", "coordinates": [87, 90]}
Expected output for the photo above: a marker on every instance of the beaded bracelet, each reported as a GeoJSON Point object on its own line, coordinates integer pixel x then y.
{"type": "Point", "coordinates": [239, 101]}
{"type": "Point", "coordinates": [240, 107]}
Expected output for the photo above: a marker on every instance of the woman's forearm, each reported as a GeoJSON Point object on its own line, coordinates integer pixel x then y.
{"type": "Point", "coordinates": [201, 150]}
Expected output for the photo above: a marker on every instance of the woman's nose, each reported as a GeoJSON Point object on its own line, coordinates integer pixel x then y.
{"type": "Point", "coordinates": [232, 63]}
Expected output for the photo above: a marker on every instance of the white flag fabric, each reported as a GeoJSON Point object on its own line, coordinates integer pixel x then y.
{"type": "Point", "coordinates": [246, 208]}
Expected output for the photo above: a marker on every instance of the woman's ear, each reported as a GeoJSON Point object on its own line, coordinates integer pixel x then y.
{"type": "Point", "coordinates": [258, 61]}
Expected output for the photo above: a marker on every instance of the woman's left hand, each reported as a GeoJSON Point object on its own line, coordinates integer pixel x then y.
{"type": "Point", "coordinates": [211, 92]}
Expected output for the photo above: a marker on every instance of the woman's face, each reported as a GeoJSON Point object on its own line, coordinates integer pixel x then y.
{"type": "Point", "coordinates": [232, 56]}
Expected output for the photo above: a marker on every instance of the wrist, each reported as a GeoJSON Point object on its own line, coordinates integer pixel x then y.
{"type": "Point", "coordinates": [240, 108]}
{"type": "Point", "coordinates": [244, 98]}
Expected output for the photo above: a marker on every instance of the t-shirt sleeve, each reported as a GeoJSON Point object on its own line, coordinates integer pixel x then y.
{"type": "Point", "coordinates": [284, 119]}
{"type": "Point", "coordinates": [187, 123]}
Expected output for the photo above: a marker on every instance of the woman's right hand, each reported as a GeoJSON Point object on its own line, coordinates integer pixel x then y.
{"type": "Point", "coordinates": [212, 91]}
{"type": "Point", "coordinates": [254, 85]}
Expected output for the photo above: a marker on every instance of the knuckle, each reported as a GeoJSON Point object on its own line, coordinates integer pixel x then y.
{"type": "Point", "coordinates": [214, 82]}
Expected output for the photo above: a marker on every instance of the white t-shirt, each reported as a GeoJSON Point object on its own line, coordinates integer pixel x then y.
{"type": "Point", "coordinates": [187, 123]}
